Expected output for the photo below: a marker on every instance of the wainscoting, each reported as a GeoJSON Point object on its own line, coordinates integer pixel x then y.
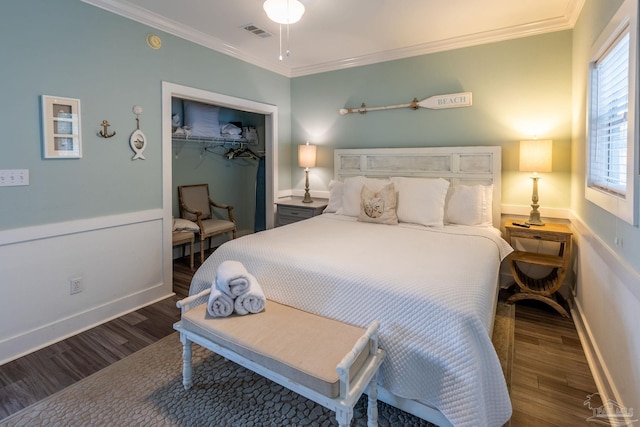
{"type": "Point", "coordinates": [607, 314]}
{"type": "Point", "coordinates": [119, 258]}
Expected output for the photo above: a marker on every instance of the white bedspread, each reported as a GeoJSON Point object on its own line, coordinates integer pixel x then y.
{"type": "Point", "coordinates": [433, 291]}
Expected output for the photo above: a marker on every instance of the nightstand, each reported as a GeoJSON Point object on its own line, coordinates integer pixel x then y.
{"type": "Point", "coordinates": [540, 289]}
{"type": "Point", "coordinates": [292, 209]}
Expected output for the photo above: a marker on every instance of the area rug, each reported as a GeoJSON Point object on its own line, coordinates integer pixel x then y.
{"type": "Point", "coordinates": [146, 389]}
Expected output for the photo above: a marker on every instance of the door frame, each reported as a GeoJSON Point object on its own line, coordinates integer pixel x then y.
{"type": "Point", "coordinates": [270, 112]}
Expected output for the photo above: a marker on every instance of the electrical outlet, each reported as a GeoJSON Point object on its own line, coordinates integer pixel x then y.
{"type": "Point", "coordinates": [75, 285]}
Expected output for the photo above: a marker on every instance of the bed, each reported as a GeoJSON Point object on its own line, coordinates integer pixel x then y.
{"type": "Point", "coordinates": [432, 286]}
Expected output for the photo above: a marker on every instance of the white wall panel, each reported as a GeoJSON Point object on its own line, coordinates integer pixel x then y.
{"type": "Point", "coordinates": [607, 299]}
{"type": "Point", "coordinates": [119, 258]}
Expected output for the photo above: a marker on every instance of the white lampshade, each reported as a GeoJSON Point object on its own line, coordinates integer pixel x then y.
{"type": "Point", "coordinates": [284, 11]}
{"type": "Point", "coordinates": [536, 156]}
{"type": "Point", "coordinates": [307, 156]}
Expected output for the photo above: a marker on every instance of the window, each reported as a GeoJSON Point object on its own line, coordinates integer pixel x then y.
{"type": "Point", "coordinates": [612, 165]}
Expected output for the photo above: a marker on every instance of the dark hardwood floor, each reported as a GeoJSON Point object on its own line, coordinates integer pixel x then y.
{"type": "Point", "coordinates": [550, 378]}
{"type": "Point", "coordinates": [39, 374]}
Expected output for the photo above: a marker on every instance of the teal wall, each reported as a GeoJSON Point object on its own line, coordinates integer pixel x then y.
{"type": "Point", "coordinates": [71, 49]}
{"type": "Point", "coordinates": [521, 88]}
{"type": "Point", "coordinates": [594, 18]}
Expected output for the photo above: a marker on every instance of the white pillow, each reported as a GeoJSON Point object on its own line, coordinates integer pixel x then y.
{"type": "Point", "coordinates": [181, 224]}
{"type": "Point", "coordinates": [335, 196]}
{"type": "Point", "coordinates": [469, 205]}
{"type": "Point", "coordinates": [378, 206]}
{"type": "Point", "coordinates": [351, 193]}
{"type": "Point", "coordinates": [464, 205]}
{"type": "Point", "coordinates": [487, 205]}
{"type": "Point", "coordinates": [202, 119]}
{"type": "Point", "coordinates": [421, 200]}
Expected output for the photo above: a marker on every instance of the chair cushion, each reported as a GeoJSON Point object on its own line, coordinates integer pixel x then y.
{"type": "Point", "coordinates": [216, 226]}
{"type": "Point", "coordinates": [181, 224]}
{"type": "Point", "coordinates": [182, 237]}
{"type": "Point", "coordinates": [301, 346]}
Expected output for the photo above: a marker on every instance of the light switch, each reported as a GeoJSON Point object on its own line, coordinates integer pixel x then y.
{"type": "Point", "coordinates": [14, 177]}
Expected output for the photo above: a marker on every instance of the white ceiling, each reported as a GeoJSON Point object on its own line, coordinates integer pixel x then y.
{"type": "Point", "coordinates": [336, 34]}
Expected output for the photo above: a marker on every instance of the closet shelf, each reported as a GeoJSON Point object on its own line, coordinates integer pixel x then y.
{"type": "Point", "coordinates": [209, 142]}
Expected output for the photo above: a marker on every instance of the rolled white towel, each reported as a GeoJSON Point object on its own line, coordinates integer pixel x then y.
{"type": "Point", "coordinates": [219, 304]}
{"type": "Point", "coordinates": [232, 278]}
{"type": "Point", "coordinates": [252, 301]}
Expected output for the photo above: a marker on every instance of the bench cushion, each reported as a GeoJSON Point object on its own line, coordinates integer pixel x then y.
{"type": "Point", "coordinates": [301, 346]}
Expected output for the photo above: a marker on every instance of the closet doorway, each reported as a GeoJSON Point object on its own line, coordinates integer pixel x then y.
{"type": "Point", "coordinates": [270, 113]}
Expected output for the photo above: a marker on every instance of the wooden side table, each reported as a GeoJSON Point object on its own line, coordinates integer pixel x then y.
{"type": "Point", "coordinates": [181, 238]}
{"type": "Point", "coordinates": [541, 289]}
{"type": "Point", "coordinates": [292, 209]}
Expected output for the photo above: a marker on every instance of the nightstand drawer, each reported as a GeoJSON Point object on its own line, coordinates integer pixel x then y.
{"type": "Point", "coordinates": [293, 209]}
{"type": "Point", "coordinates": [527, 233]}
{"type": "Point", "coordinates": [296, 213]}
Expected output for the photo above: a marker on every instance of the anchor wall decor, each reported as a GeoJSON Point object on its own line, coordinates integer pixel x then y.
{"type": "Point", "coordinates": [437, 102]}
{"type": "Point", "coordinates": [104, 132]}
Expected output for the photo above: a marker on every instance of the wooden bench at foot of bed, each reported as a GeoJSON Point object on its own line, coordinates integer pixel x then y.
{"type": "Point", "coordinates": [324, 360]}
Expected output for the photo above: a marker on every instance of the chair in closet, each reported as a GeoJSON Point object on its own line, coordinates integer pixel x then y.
{"type": "Point", "coordinates": [196, 205]}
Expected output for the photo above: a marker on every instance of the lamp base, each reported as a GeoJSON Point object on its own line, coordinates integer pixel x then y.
{"type": "Point", "coordinates": [307, 196]}
{"type": "Point", "coordinates": [534, 219]}
{"type": "Point", "coordinates": [534, 215]}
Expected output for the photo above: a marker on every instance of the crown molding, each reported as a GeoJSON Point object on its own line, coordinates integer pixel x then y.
{"type": "Point", "coordinates": [161, 23]}
{"type": "Point", "coordinates": [143, 16]}
{"type": "Point", "coordinates": [531, 29]}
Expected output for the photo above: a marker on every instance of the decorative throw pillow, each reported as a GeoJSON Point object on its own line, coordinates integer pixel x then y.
{"type": "Point", "coordinates": [351, 193]}
{"type": "Point", "coordinates": [378, 206]}
{"type": "Point", "coordinates": [202, 119]}
{"type": "Point", "coordinates": [335, 196]}
{"type": "Point", "coordinates": [181, 224]}
{"type": "Point", "coordinates": [421, 200]}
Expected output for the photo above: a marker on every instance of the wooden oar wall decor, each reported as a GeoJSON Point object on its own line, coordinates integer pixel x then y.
{"type": "Point", "coordinates": [437, 102]}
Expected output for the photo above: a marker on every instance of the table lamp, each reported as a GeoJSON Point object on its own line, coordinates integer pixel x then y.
{"type": "Point", "coordinates": [306, 159]}
{"type": "Point", "coordinates": [535, 156]}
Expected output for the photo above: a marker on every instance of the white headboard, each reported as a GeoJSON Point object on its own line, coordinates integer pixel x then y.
{"type": "Point", "coordinates": [458, 165]}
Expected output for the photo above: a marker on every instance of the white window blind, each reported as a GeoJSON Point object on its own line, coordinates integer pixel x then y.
{"type": "Point", "coordinates": [609, 118]}
{"type": "Point", "coordinates": [611, 179]}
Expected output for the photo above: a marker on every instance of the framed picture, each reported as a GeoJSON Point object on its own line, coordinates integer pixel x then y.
{"type": "Point", "coordinates": [61, 128]}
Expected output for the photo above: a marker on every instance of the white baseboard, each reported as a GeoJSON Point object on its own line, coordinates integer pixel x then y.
{"type": "Point", "coordinates": [64, 328]}
{"type": "Point", "coordinates": [604, 372]}
{"type": "Point", "coordinates": [520, 210]}
{"type": "Point", "coordinates": [592, 353]}
{"type": "Point", "coordinates": [319, 194]}
{"type": "Point", "coordinates": [601, 376]}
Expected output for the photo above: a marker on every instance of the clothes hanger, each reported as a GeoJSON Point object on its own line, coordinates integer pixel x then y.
{"type": "Point", "coordinates": [245, 152]}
